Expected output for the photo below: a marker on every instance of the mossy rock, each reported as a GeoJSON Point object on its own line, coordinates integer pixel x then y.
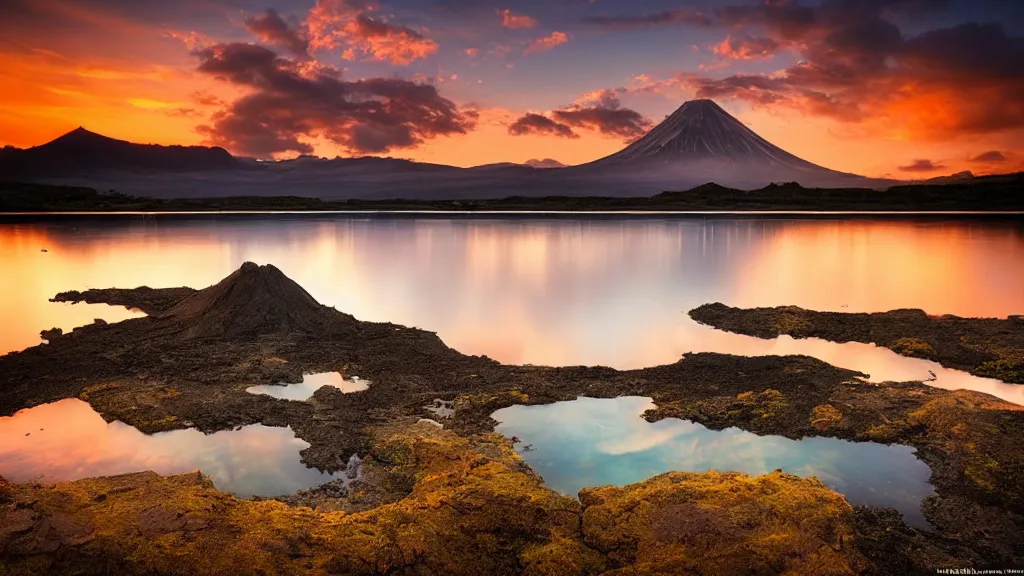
{"type": "Point", "coordinates": [825, 416]}
{"type": "Point", "coordinates": [913, 347]}
{"type": "Point", "coordinates": [722, 523]}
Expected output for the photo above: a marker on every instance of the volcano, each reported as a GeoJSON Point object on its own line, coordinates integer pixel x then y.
{"type": "Point", "coordinates": [700, 140]}
{"type": "Point", "coordinates": [253, 301]}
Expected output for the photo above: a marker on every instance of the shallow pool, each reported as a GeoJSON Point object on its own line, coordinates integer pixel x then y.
{"type": "Point", "coordinates": [310, 384]}
{"type": "Point", "coordinates": [68, 440]}
{"type": "Point", "coordinates": [598, 442]}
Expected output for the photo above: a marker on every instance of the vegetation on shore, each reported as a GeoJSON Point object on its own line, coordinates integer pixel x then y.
{"type": "Point", "coordinates": [988, 193]}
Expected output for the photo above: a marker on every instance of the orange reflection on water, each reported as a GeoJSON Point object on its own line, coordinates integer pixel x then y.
{"type": "Point", "coordinates": [67, 440]}
{"type": "Point", "coordinates": [867, 266]}
{"type": "Point", "coordinates": [548, 291]}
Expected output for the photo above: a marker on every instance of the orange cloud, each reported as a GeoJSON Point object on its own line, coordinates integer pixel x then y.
{"type": "Point", "coordinates": [516, 21]}
{"type": "Point", "coordinates": [192, 40]}
{"type": "Point", "coordinates": [347, 25]}
{"type": "Point", "coordinates": [547, 42]}
{"type": "Point", "coordinates": [857, 67]}
{"type": "Point", "coordinates": [746, 48]}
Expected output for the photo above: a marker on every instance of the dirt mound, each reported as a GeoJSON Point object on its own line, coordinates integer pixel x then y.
{"type": "Point", "coordinates": [253, 301]}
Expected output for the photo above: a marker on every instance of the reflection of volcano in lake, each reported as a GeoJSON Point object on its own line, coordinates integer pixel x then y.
{"type": "Point", "coordinates": [596, 442]}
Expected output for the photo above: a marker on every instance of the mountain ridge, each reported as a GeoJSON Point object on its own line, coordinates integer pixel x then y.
{"type": "Point", "coordinates": [700, 142]}
{"type": "Point", "coordinates": [83, 151]}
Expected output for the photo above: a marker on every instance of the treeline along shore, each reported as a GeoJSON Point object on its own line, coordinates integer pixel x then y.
{"type": "Point", "coordinates": [1003, 193]}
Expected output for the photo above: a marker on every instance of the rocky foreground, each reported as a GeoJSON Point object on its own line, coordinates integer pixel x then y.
{"type": "Point", "coordinates": [459, 500]}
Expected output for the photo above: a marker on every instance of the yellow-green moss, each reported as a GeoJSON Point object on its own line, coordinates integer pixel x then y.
{"type": "Point", "coordinates": [97, 388]}
{"type": "Point", "coordinates": [769, 403]}
{"type": "Point", "coordinates": [913, 347]}
{"type": "Point", "coordinates": [982, 470]}
{"type": "Point", "coordinates": [789, 323]}
{"type": "Point", "coordinates": [722, 523]}
{"type": "Point", "coordinates": [468, 513]}
{"type": "Point", "coordinates": [474, 509]}
{"type": "Point", "coordinates": [825, 416]}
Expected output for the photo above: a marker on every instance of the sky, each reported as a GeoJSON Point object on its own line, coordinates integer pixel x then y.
{"type": "Point", "coordinates": [899, 88]}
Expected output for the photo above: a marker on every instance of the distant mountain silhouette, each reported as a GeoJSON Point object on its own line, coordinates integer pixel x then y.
{"type": "Point", "coordinates": [964, 176]}
{"type": "Point", "coordinates": [82, 151]}
{"type": "Point", "coordinates": [699, 143]}
{"type": "Point", "coordinates": [545, 163]}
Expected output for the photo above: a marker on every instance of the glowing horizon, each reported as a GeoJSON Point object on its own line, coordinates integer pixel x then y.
{"type": "Point", "coordinates": [881, 95]}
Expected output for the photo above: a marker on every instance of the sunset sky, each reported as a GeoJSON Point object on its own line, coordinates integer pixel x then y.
{"type": "Point", "coordinates": [906, 88]}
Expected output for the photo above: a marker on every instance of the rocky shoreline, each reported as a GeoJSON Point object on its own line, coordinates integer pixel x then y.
{"type": "Point", "coordinates": [189, 362]}
{"type": "Point", "coordinates": [986, 347]}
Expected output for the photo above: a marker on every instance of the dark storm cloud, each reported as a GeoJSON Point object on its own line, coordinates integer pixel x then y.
{"type": "Point", "coordinates": [990, 156]}
{"type": "Point", "coordinates": [921, 165]}
{"type": "Point", "coordinates": [622, 122]}
{"type": "Point", "coordinates": [857, 65]}
{"type": "Point", "coordinates": [598, 111]}
{"type": "Point", "coordinates": [293, 101]}
{"type": "Point", "coordinates": [538, 124]}
{"type": "Point", "coordinates": [269, 27]}
{"type": "Point", "coordinates": [666, 18]}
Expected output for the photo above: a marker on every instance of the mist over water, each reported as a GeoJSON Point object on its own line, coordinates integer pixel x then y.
{"type": "Point", "coordinates": [560, 291]}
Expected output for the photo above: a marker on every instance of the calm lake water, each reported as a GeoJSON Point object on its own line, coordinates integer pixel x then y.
{"type": "Point", "coordinates": [557, 291]}
{"type": "Point", "coordinates": [597, 442]}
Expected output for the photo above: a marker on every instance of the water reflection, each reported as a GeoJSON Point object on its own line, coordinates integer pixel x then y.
{"type": "Point", "coordinates": [557, 291]}
{"type": "Point", "coordinates": [597, 442]}
{"type": "Point", "coordinates": [310, 384]}
{"type": "Point", "coordinates": [68, 440]}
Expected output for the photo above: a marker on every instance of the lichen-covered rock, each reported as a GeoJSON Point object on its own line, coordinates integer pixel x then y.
{"type": "Point", "coordinates": [825, 416]}
{"type": "Point", "coordinates": [467, 513]}
{"type": "Point", "coordinates": [722, 523]}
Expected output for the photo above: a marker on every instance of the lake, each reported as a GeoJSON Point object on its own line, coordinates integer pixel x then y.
{"type": "Point", "coordinates": [555, 291]}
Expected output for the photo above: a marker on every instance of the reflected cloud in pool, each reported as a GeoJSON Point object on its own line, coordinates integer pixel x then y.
{"type": "Point", "coordinates": [598, 442]}
{"type": "Point", "coordinates": [68, 440]}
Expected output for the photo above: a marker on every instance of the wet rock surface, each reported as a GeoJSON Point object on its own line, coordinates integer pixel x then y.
{"type": "Point", "coordinates": [987, 347]}
{"type": "Point", "coordinates": [190, 362]}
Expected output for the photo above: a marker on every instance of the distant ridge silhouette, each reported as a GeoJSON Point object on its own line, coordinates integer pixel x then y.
{"type": "Point", "coordinates": [699, 143]}
{"type": "Point", "coordinates": [82, 151]}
